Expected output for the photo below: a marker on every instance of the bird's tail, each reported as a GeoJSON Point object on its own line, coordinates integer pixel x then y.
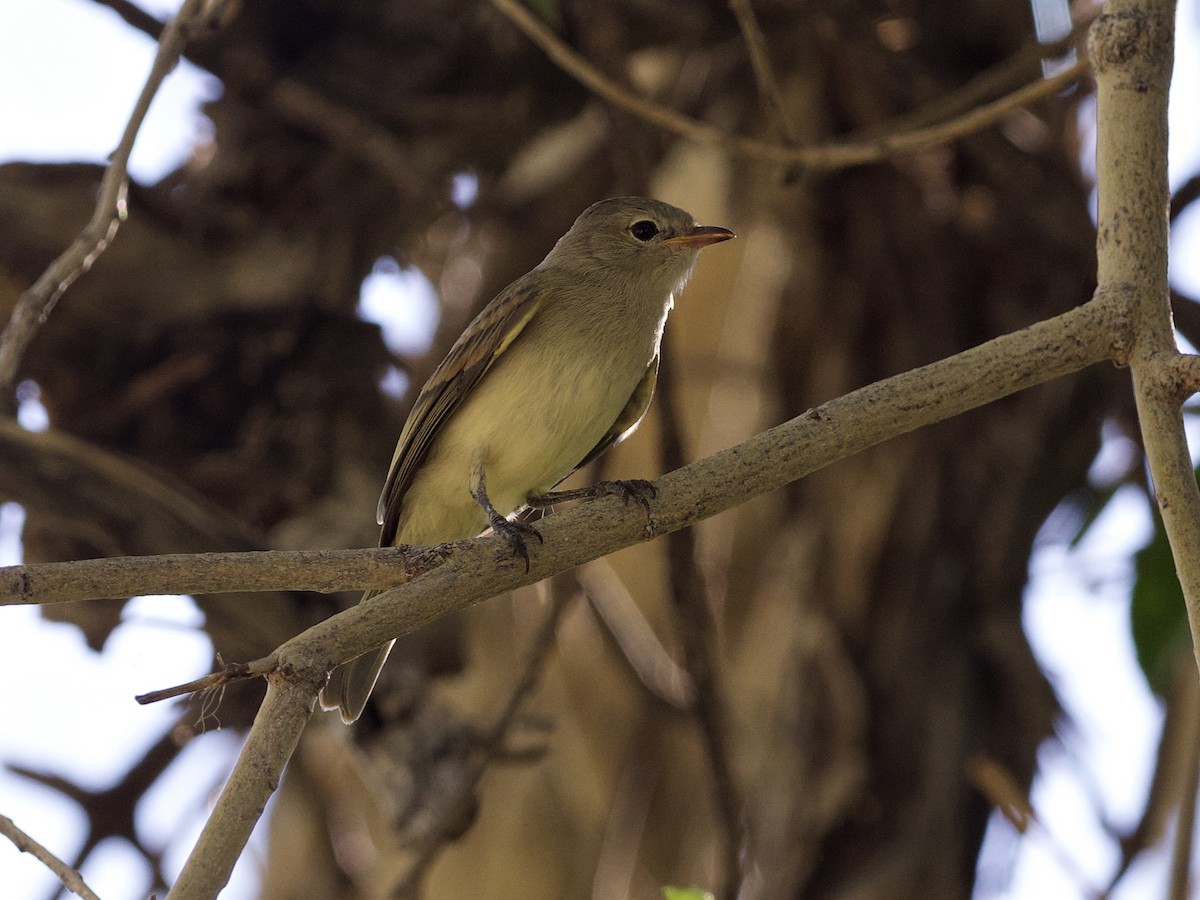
{"type": "Point", "coordinates": [349, 686]}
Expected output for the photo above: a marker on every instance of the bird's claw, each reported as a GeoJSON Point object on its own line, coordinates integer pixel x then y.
{"type": "Point", "coordinates": [628, 489]}
{"type": "Point", "coordinates": [515, 534]}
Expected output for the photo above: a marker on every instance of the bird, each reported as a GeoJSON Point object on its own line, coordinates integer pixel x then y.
{"type": "Point", "coordinates": [558, 368]}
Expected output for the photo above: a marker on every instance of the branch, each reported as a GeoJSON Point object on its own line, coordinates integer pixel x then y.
{"type": "Point", "coordinates": [863, 418]}
{"type": "Point", "coordinates": [335, 123]}
{"type": "Point", "coordinates": [35, 303]}
{"type": "Point", "coordinates": [213, 682]}
{"type": "Point", "coordinates": [1131, 45]}
{"type": "Point", "coordinates": [138, 509]}
{"type": "Point", "coordinates": [472, 571]}
{"type": "Point", "coordinates": [136, 17]}
{"type": "Point", "coordinates": [635, 639]}
{"type": "Point", "coordinates": [836, 155]}
{"type": "Point", "coordinates": [281, 719]}
{"type": "Point", "coordinates": [69, 878]}
{"type": "Point", "coordinates": [324, 571]}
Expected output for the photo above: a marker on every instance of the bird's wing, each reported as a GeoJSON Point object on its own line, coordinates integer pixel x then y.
{"type": "Point", "coordinates": [477, 348]}
{"type": "Point", "coordinates": [631, 416]}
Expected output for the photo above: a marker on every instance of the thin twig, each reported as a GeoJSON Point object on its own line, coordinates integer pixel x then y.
{"type": "Point", "coordinates": [760, 62]}
{"type": "Point", "coordinates": [135, 16]}
{"type": "Point", "coordinates": [226, 675]}
{"type": "Point", "coordinates": [35, 303]}
{"type": "Point", "coordinates": [835, 155]}
{"type": "Point", "coordinates": [69, 878]}
{"type": "Point", "coordinates": [640, 647]}
{"type": "Point", "coordinates": [1001, 79]}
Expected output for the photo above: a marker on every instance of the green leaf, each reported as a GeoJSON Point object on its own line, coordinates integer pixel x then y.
{"type": "Point", "coordinates": [674, 893]}
{"type": "Point", "coordinates": [1158, 617]}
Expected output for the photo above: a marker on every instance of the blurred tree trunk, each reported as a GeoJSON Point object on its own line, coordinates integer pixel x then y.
{"type": "Point", "coordinates": [869, 618]}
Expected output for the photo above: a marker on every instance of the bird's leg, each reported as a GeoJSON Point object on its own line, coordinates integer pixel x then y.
{"type": "Point", "coordinates": [513, 532]}
{"type": "Point", "coordinates": [631, 489]}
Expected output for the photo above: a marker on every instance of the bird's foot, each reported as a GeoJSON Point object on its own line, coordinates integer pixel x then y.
{"type": "Point", "coordinates": [515, 533]}
{"type": "Point", "coordinates": [632, 489]}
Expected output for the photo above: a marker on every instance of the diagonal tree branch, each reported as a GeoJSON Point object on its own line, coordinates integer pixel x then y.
{"type": "Point", "coordinates": [70, 879]}
{"type": "Point", "coordinates": [35, 303]}
{"type": "Point", "coordinates": [835, 155]}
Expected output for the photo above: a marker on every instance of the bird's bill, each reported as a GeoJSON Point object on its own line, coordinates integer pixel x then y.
{"type": "Point", "coordinates": [701, 236]}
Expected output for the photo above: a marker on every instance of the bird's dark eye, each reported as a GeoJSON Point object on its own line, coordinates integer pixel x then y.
{"type": "Point", "coordinates": [643, 230]}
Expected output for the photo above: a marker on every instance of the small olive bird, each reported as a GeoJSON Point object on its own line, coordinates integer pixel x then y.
{"type": "Point", "coordinates": [556, 369]}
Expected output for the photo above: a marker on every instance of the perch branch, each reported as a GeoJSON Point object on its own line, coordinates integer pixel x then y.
{"type": "Point", "coordinates": [324, 571]}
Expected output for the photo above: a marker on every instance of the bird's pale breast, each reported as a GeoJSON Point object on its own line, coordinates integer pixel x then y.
{"type": "Point", "coordinates": [541, 421]}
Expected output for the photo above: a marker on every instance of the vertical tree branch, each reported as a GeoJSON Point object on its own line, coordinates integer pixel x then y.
{"type": "Point", "coordinates": [1131, 46]}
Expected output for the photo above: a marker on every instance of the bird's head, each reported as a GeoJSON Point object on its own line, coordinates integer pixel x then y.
{"type": "Point", "coordinates": [645, 240]}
